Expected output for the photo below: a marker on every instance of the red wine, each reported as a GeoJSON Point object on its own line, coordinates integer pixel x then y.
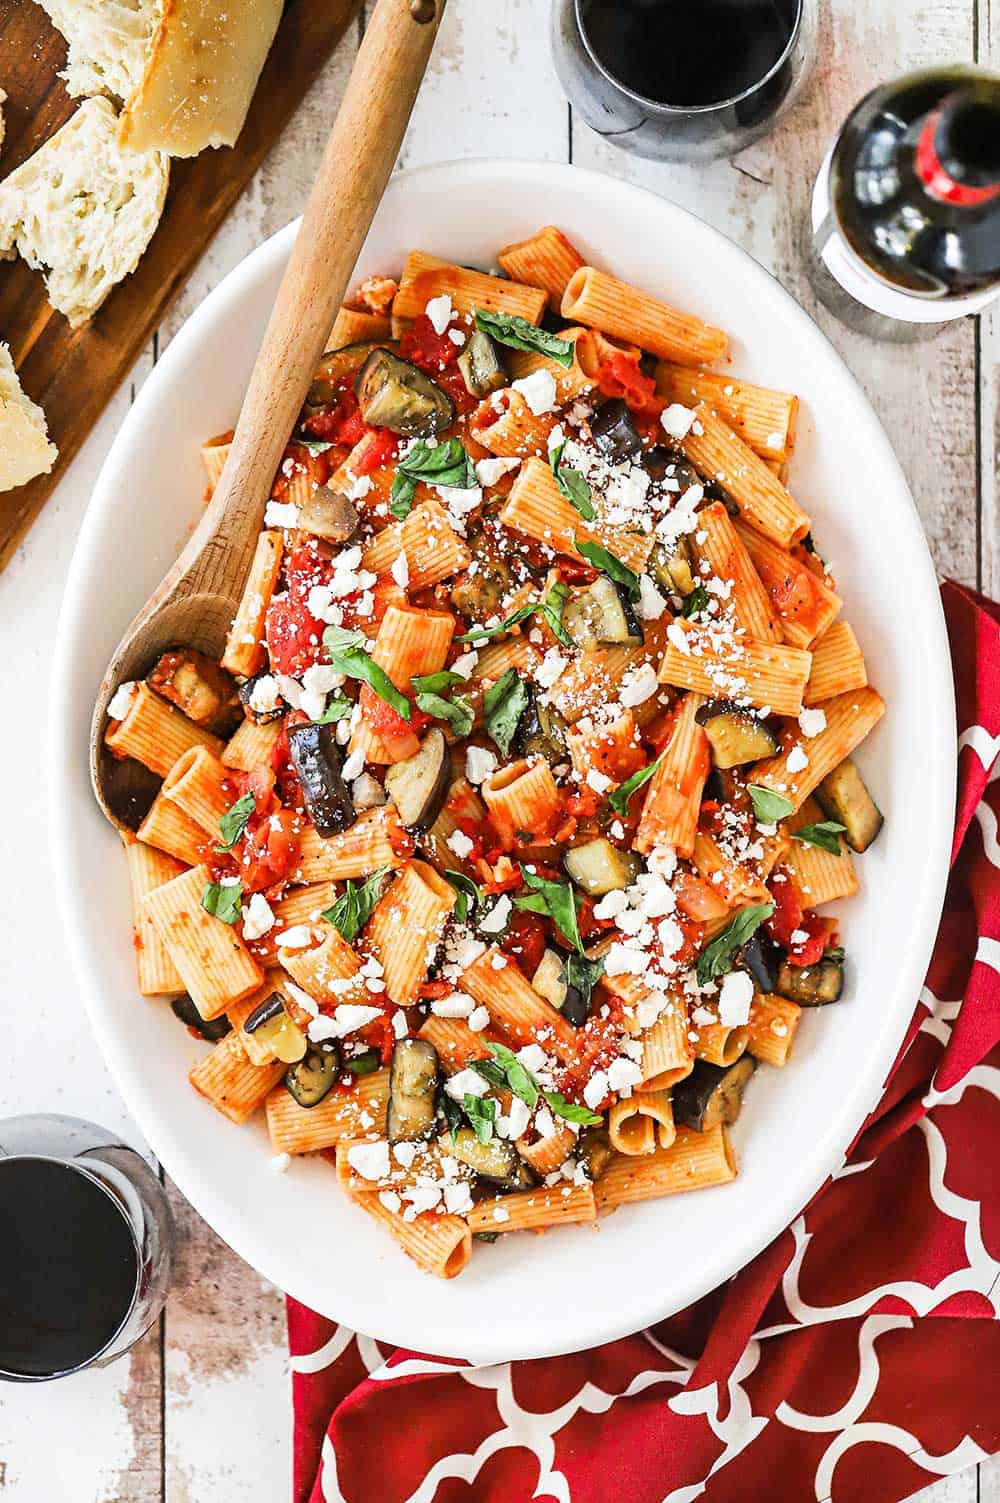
{"type": "Point", "coordinates": [68, 1267]}
{"type": "Point", "coordinates": [688, 53]}
{"type": "Point", "coordinates": [915, 182]}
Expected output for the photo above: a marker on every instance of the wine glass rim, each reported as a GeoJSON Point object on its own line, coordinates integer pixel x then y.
{"type": "Point", "coordinates": [8, 1375]}
{"type": "Point", "coordinates": [657, 105]}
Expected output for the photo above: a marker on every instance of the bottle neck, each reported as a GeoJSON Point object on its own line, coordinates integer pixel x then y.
{"type": "Point", "coordinates": [937, 172]}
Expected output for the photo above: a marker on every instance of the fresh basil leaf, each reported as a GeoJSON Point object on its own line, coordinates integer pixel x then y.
{"type": "Point", "coordinates": [458, 712]}
{"type": "Point", "coordinates": [716, 958]}
{"type": "Point", "coordinates": [451, 1111]}
{"type": "Point", "coordinates": [489, 1071]}
{"type": "Point", "coordinates": [469, 896]}
{"type": "Point", "coordinates": [518, 1077]}
{"type": "Point", "coordinates": [435, 683]}
{"type": "Point", "coordinates": [401, 494]}
{"type": "Point", "coordinates": [363, 1064]}
{"type": "Point", "coordinates": [503, 705]}
{"type": "Point", "coordinates": [582, 973]}
{"type": "Point", "coordinates": [696, 601]}
{"type": "Point", "coordinates": [445, 464]}
{"type": "Point", "coordinates": [609, 565]}
{"type": "Point", "coordinates": [569, 1111]}
{"type": "Point", "coordinates": [620, 798]}
{"type": "Point", "coordinates": [518, 334]}
{"type": "Point", "coordinates": [336, 638]}
{"type": "Point", "coordinates": [354, 661]}
{"type": "Point", "coordinates": [482, 1113]}
{"type": "Point", "coordinates": [768, 806]}
{"type": "Point", "coordinates": [352, 910]}
{"type": "Point", "coordinates": [337, 707]}
{"type": "Point", "coordinates": [574, 486]}
{"type": "Point", "coordinates": [824, 835]}
{"type": "Point", "coordinates": [559, 903]}
{"type": "Point", "coordinates": [484, 633]}
{"type": "Point", "coordinates": [314, 445]}
{"type": "Point", "coordinates": [552, 608]}
{"type": "Point", "coordinates": [222, 900]}
{"type": "Point", "coordinates": [234, 822]}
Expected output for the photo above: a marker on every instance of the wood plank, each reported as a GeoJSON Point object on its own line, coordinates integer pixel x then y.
{"type": "Point", "coordinates": [924, 393]}
{"type": "Point", "coordinates": [73, 373]}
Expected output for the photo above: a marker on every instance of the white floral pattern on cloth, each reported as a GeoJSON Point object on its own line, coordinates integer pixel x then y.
{"type": "Point", "coordinates": [842, 1364]}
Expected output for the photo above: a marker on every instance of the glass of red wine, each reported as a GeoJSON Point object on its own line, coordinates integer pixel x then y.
{"type": "Point", "coordinates": [682, 80]}
{"type": "Point", "coordinates": [85, 1243]}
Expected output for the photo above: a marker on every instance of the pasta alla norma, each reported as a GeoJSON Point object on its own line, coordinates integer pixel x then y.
{"type": "Point", "coordinates": [493, 856]}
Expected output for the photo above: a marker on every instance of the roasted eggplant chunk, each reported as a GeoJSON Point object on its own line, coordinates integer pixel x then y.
{"type": "Point", "coordinates": [667, 466]}
{"type": "Point", "coordinates": [811, 985]}
{"type": "Point", "coordinates": [541, 732]}
{"type": "Point", "coordinates": [396, 395]}
{"type": "Point", "coordinates": [480, 366]}
{"type": "Point", "coordinates": [311, 1077]}
{"type": "Point", "coordinates": [761, 958]}
{"type": "Point", "coordinates": [711, 1096]}
{"type": "Point", "coordinates": [480, 593]}
{"type": "Point", "coordinates": [615, 434]}
{"type": "Point", "coordinates": [599, 867]}
{"type": "Point", "coordinates": [327, 514]}
{"type": "Point", "coordinates": [212, 1029]}
{"type": "Point", "coordinates": [497, 1161]}
{"type": "Point", "coordinates": [413, 1082]}
{"type": "Point", "coordinates": [602, 613]}
{"type": "Point", "coordinates": [316, 758]}
{"type": "Point", "coordinates": [734, 735]}
{"type": "Point", "coordinates": [419, 786]}
{"type": "Point", "coordinates": [246, 693]}
{"type": "Point", "coordinates": [275, 1030]}
{"type": "Point", "coordinates": [339, 363]}
{"type": "Point", "coordinates": [670, 566]}
{"type": "Point", "coordinates": [548, 983]}
{"type": "Point", "coordinates": [594, 1151]}
{"type": "Point", "coordinates": [842, 796]}
{"type": "Point", "coordinates": [199, 688]}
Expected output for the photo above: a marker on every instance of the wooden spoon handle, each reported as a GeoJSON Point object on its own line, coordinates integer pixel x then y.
{"type": "Point", "coordinates": [352, 177]}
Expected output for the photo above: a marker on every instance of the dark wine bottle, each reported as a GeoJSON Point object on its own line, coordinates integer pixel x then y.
{"type": "Point", "coordinates": [906, 210]}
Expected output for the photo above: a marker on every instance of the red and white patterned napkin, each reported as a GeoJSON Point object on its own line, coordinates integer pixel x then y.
{"type": "Point", "coordinates": [857, 1359]}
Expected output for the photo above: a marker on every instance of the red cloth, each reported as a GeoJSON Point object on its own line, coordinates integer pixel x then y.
{"type": "Point", "coordinates": [857, 1358]}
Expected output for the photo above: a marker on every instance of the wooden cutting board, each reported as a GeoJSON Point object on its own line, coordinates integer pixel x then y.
{"type": "Point", "coordinates": [74, 373]}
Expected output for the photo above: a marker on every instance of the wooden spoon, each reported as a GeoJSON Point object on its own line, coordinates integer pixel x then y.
{"type": "Point", "coordinates": [197, 600]}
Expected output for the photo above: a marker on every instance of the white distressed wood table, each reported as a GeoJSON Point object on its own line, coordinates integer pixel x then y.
{"type": "Point", "coordinates": [200, 1410]}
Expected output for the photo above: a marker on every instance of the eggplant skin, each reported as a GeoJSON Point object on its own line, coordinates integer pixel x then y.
{"type": "Point", "coordinates": [419, 786]}
{"type": "Point", "coordinates": [615, 434]}
{"type": "Point", "coordinates": [316, 758]}
{"type": "Point", "coordinates": [712, 1095]}
{"type": "Point", "coordinates": [842, 796]}
{"type": "Point", "coordinates": [760, 956]}
{"type": "Point", "coordinates": [309, 1079]}
{"type": "Point", "coordinates": [413, 1083]}
{"type": "Point", "coordinates": [734, 736]}
{"type": "Point", "coordinates": [811, 985]}
{"type": "Point", "coordinates": [397, 395]}
{"type": "Point", "coordinates": [212, 1029]}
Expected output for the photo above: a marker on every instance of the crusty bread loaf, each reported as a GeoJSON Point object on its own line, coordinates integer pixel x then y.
{"type": "Point", "coordinates": [25, 450]}
{"type": "Point", "coordinates": [83, 208]}
{"type": "Point", "coordinates": [203, 67]}
{"type": "Point", "coordinates": [108, 42]}
{"type": "Point", "coordinates": [185, 69]}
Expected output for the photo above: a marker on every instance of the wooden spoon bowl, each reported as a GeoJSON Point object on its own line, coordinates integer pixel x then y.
{"type": "Point", "coordinates": [197, 600]}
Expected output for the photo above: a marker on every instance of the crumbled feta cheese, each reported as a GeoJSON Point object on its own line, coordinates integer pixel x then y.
{"type": "Point", "coordinates": [458, 1005]}
{"type": "Point", "coordinates": [295, 938]}
{"type": "Point", "coordinates": [439, 311]}
{"type": "Point", "coordinates": [501, 1213]}
{"type": "Point", "coordinates": [599, 781]}
{"type": "Point", "coordinates": [489, 471]}
{"type": "Point", "coordinates": [677, 419]}
{"type": "Point", "coordinates": [348, 1018]}
{"type": "Point", "coordinates": [677, 637]}
{"type": "Point", "coordinates": [480, 763]}
{"type": "Point", "coordinates": [595, 1090]}
{"type": "Point", "coordinates": [370, 1160]}
{"type": "Point", "coordinates": [538, 390]}
{"type": "Point", "coordinates": [498, 917]}
{"type": "Point", "coordinates": [639, 686]}
{"type": "Point", "coordinates": [404, 1154]}
{"type": "Point", "coordinates": [281, 1162]}
{"type": "Point", "coordinates": [651, 603]}
{"type": "Point", "coordinates": [400, 1027]}
{"type": "Point", "coordinates": [281, 514]}
{"type": "Point", "coordinates": [121, 701]}
{"type": "Point", "coordinates": [466, 1083]}
{"type": "Point", "coordinates": [457, 1198]}
{"type": "Point", "coordinates": [515, 1122]}
{"type": "Point", "coordinates": [400, 570]}
{"type": "Point", "coordinates": [257, 917]}
{"type": "Point", "coordinates": [457, 337]}
{"type": "Point", "coordinates": [798, 936]}
{"type": "Point", "coordinates": [465, 666]}
{"type": "Point", "coordinates": [460, 843]}
{"type": "Point", "coordinates": [625, 960]}
{"type": "Point", "coordinates": [623, 1074]}
{"type": "Point", "coordinates": [611, 905]}
{"type": "Point", "coordinates": [353, 767]}
{"type": "Point", "coordinates": [264, 696]}
{"type": "Point", "coordinates": [479, 1019]}
{"type": "Point", "coordinates": [734, 999]}
{"type": "Point", "coordinates": [811, 722]}
{"type": "Point", "coordinates": [533, 1057]}
{"type": "Point", "coordinates": [552, 666]}
{"type": "Point", "coordinates": [390, 1200]}
{"type": "Point", "coordinates": [796, 760]}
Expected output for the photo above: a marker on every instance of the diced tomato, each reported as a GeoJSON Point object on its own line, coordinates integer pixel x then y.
{"type": "Point", "coordinates": [260, 782]}
{"type": "Point", "coordinates": [620, 376]}
{"type": "Point", "coordinates": [452, 381]}
{"type": "Point", "coordinates": [424, 347]}
{"type": "Point", "coordinates": [398, 735]}
{"type": "Point", "coordinates": [342, 423]}
{"type": "Point", "coordinates": [379, 1034]}
{"type": "Point", "coordinates": [584, 804]}
{"type": "Point", "coordinates": [524, 941]}
{"type": "Point", "coordinates": [270, 848]}
{"type": "Point", "coordinates": [294, 635]}
{"type": "Point", "coordinates": [383, 447]}
{"type": "Point", "coordinates": [787, 915]}
{"type": "Point", "coordinates": [576, 573]}
{"type": "Point", "coordinates": [286, 778]}
{"type": "Point", "coordinates": [697, 898]}
{"type": "Point", "coordinates": [433, 991]}
{"type": "Point", "coordinates": [660, 729]}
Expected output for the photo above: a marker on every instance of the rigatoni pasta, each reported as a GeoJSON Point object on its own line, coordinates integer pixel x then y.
{"type": "Point", "coordinates": [502, 839]}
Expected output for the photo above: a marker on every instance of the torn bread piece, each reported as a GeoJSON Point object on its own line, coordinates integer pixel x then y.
{"type": "Point", "coordinates": [25, 450]}
{"type": "Point", "coordinates": [184, 69]}
{"type": "Point", "coordinates": [84, 209]}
